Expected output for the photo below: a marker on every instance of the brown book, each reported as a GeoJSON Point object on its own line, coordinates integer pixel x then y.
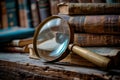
{"type": "Point", "coordinates": [89, 8]}
{"type": "Point", "coordinates": [0, 16]}
{"type": "Point", "coordinates": [14, 49]}
{"type": "Point", "coordinates": [99, 1]}
{"type": "Point", "coordinates": [85, 1]}
{"type": "Point", "coordinates": [4, 19]}
{"type": "Point", "coordinates": [35, 12]}
{"type": "Point", "coordinates": [68, 1]}
{"type": "Point", "coordinates": [19, 42]}
{"type": "Point", "coordinates": [111, 52]}
{"type": "Point", "coordinates": [53, 7]}
{"type": "Point", "coordinates": [96, 40]}
{"type": "Point", "coordinates": [102, 24]}
{"type": "Point", "coordinates": [22, 12]}
{"type": "Point", "coordinates": [44, 9]}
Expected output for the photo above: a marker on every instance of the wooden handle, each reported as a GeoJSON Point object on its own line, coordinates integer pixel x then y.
{"type": "Point", "coordinates": [95, 58]}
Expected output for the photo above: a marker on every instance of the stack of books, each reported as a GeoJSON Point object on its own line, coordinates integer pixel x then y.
{"type": "Point", "coordinates": [96, 27]}
{"type": "Point", "coordinates": [23, 13]}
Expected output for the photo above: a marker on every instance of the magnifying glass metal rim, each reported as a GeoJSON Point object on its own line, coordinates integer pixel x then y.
{"type": "Point", "coordinates": [64, 54]}
{"type": "Point", "coordinates": [97, 59]}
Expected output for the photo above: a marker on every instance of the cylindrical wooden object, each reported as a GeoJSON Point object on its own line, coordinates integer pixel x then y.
{"type": "Point", "coordinates": [95, 58]}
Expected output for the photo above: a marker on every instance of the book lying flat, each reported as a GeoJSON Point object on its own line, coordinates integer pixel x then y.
{"type": "Point", "coordinates": [88, 8]}
{"type": "Point", "coordinates": [7, 35]}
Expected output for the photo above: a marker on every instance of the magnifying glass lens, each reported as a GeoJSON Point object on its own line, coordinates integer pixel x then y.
{"type": "Point", "coordinates": [52, 43]}
{"type": "Point", "coordinates": [53, 38]}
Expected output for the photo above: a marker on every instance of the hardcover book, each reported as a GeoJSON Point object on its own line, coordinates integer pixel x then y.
{"type": "Point", "coordinates": [3, 15]}
{"type": "Point", "coordinates": [84, 39]}
{"type": "Point", "coordinates": [11, 13]}
{"type": "Point", "coordinates": [34, 12]}
{"type": "Point", "coordinates": [98, 24]}
{"type": "Point", "coordinates": [98, 1]}
{"type": "Point", "coordinates": [53, 7]}
{"type": "Point", "coordinates": [7, 35]}
{"type": "Point", "coordinates": [89, 8]}
{"type": "Point", "coordinates": [44, 9]}
{"type": "Point", "coordinates": [22, 13]}
{"type": "Point", "coordinates": [113, 1]}
{"type": "Point", "coordinates": [18, 42]}
{"type": "Point", "coordinates": [85, 1]}
{"type": "Point", "coordinates": [28, 11]}
{"type": "Point", "coordinates": [14, 49]}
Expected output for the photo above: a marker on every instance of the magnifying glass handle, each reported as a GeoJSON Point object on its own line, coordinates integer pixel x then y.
{"type": "Point", "coordinates": [95, 58]}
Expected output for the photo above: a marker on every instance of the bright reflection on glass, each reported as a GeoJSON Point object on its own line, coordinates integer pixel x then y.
{"type": "Point", "coordinates": [53, 39]}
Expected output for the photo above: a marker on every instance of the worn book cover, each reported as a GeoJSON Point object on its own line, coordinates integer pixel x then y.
{"type": "Point", "coordinates": [98, 24]}
{"type": "Point", "coordinates": [84, 39]}
{"type": "Point", "coordinates": [89, 8]}
{"type": "Point", "coordinates": [7, 35]}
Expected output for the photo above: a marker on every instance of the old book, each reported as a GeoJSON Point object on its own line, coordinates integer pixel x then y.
{"type": "Point", "coordinates": [98, 1]}
{"type": "Point", "coordinates": [12, 13]}
{"type": "Point", "coordinates": [68, 1]}
{"type": "Point", "coordinates": [85, 1]}
{"type": "Point", "coordinates": [44, 9]}
{"type": "Point", "coordinates": [4, 19]}
{"type": "Point", "coordinates": [7, 35]}
{"type": "Point", "coordinates": [53, 7]}
{"type": "Point", "coordinates": [102, 24]}
{"type": "Point", "coordinates": [29, 13]}
{"type": "Point", "coordinates": [112, 1]}
{"type": "Point", "coordinates": [0, 16]}
{"type": "Point", "coordinates": [91, 1]}
{"type": "Point", "coordinates": [34, 12]}
{"type": "Point", "coordinates": [111, 52]}
{"type": "Point", "coordinates": [19, 42]}
{"type": "Point", "coordinates": [22, 13]}
{"type": "Point", "coordinates": [83, 39]}
{"type": "Point", "coordinates": [89, 8]}
{"type": "Point", "coordinates": [14, 49]}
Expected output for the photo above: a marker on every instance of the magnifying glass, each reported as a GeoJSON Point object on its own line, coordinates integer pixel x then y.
{"type": "Point", "coordinates": [53, 41]}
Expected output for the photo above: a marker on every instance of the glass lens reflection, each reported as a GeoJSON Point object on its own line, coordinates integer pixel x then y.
{"type": "Point", "coordinates": [53, 39]}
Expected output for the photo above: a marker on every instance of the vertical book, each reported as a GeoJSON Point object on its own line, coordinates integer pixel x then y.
{"type": "Point", "coordinates": [11, 13]}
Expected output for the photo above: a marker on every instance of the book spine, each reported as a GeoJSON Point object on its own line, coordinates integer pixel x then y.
{"type": "Point", "coordinates": [29, 15]}
{"type": "Point", "coordinates": [96, 40]}
{"type": "Point", "coordinates": [11, 13]}
{"type": "Point", "coordinates": [18, 43]}
{"type": "Point", "coordinates": [69, 1]}
{"type": "Point", "coordinates": [4, 19]}
{"type": "Point", "coordinates": [112, 1]}
{"type": "Point", "coordinates": [44, 9]}
{"type": "Point", "coordinates": [34, 12]}
{"type": "Point", "coordinates": [100, 24]}
{"type": "Point", "coordinates": [14, 49]}
{"type": "Point", "coordinates": [23, 19]}
{"type": "Point", "coordinates": [98, 1]}
{"type": "Point", "coordinates": [93, 8]}
{"type": "Point", "coordinates": [0, 16]}
{"type": "Point", "coordinates": [53, 7]}
{"type": "Point", "coordinates": [85, 1]}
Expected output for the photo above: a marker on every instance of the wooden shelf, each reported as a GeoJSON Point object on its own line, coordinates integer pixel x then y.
{"type": "Point", "coordinates": [20, 66]}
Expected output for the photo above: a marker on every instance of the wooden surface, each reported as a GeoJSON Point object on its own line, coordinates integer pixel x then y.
{"type": "Point", "coordinates": [20, 66]}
